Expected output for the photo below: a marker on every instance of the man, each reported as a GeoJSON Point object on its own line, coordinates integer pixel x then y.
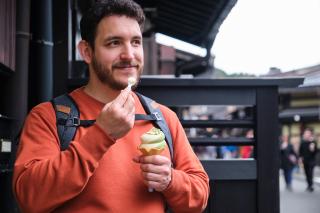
{"type": "Point", "coordinates": [307, 151]}
{"type": "Point", "coordinates": [288, 159]}
{"type": "Point", "coordinates": [102, 170]}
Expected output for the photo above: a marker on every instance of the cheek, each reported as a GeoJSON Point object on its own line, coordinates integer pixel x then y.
{"type": "Point", "coordinates": [107, 59]}
{"type": "Point", "coordinates": [139, 55]}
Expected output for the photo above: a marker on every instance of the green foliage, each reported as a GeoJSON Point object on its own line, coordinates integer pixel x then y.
{"type": "Point", "coordinates": [218, 73]}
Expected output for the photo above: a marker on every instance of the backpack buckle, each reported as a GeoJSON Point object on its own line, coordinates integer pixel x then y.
{"type": "Point", "coordinates": [76, 121]}
{"type": "Point", "coordinates": [158, 117]}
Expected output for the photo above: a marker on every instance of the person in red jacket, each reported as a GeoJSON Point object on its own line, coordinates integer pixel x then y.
{"type": "Point", "coordinates": [102, 170]}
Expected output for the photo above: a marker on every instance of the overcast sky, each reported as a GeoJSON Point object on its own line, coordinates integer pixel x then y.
{"type": "Point", "coordinates": [259, 34]}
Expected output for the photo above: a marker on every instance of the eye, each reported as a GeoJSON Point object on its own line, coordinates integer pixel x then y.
{"type": "Point", "coordinates": [113, 43]}
{"type": "Point", "coordinates": [136, 42]}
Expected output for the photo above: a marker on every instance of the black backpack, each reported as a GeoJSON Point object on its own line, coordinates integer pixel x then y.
{"type": "Point", "coordinates": [67, 114]}
{"type": "Point", "coordinates": [68, 121]}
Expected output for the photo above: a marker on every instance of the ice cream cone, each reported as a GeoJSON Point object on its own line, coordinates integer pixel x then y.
{"type": "Point", "coordinates": [152, 142]}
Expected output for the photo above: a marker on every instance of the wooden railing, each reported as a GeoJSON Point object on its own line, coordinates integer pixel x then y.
{"type": "Point", "coordinates": [236, 185]}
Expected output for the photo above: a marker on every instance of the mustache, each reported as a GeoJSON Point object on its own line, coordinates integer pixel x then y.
{"type": "Point", "coordinates": [125, 64]}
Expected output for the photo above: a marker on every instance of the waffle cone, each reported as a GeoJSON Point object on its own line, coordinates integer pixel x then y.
{"type": "Point", "coordinates": [152, 151]}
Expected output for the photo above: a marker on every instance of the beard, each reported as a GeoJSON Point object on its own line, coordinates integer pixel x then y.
{"type": "Point", "coordinates": [104, 74]}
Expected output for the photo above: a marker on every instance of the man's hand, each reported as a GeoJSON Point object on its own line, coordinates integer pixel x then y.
{"type": "Point", "coordinates": [155, 170]}
{"type": "Point", "coordinates": [312, 147]}
{"type": "Point", "coordinates": [117, 117]}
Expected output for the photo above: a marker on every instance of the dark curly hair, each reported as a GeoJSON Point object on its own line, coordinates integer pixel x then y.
{"type": "Point", "coordinates": [103, 8]}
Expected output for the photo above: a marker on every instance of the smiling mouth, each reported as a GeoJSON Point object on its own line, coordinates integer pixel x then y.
{"type": "Point", "coordinates": [125, 67]}
{"type": "Point", "coordinates": [125, 64]}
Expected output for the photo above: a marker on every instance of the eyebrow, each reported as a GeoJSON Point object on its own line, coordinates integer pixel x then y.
{"type": "Point", "coordinates": [110, 38]}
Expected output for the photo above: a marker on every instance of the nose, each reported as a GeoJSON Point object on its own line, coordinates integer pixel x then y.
{"type": "Point", "coordinates": [127, 52]}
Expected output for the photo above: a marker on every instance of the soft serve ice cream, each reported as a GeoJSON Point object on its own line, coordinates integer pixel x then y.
{"type": "Point", "coordinates": [152, 142]}
{"type": "Point", "coordinates": [131, 81]}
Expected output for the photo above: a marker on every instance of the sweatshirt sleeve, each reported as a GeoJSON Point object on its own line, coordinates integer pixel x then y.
{"type": "Point", "coordinates": [41, 179]}
{"type": "Point", "coordinates": [188, 191]}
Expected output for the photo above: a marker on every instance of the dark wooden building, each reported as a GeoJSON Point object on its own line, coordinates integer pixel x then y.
{"type": "Point", "coordinates": [38, 58]}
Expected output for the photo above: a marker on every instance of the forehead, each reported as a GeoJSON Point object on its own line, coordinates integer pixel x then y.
{"type": "Point", "coordinates": [116, 25]}
{"type": "Point", "coordinates": [307, 131]}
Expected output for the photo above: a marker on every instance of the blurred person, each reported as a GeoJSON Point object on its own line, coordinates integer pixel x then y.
{"type": "Point", "coordinates": [102, 170]}
{"type": "Point", "coordinates": [307, 151]}
{"type": "Point", "coordinates": [289, 160]}
{"type": "Point", "coordinates": [206, 152]}
{"type": "Point", "coordinates": [230, 152]}
{"type": "Point", "coordinates": [246, 151]}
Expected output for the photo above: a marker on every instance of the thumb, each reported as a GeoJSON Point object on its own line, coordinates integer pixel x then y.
{"type": "Point", "coordinates": [136, 159]}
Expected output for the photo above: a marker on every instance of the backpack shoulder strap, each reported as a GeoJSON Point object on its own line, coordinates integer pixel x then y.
{"type": "Point", "coordinates": [155, 115]}
{"type": "Point", "coordinates": [67, 110]}
{"type": "Point", "coordinates": [68, 119]}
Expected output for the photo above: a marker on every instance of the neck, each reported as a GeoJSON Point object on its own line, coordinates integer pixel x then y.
{"type": "Point", "coordinates": [100, 91]}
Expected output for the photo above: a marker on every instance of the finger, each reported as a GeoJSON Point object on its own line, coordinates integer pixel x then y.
{"type": "Point", "coordinates": [151, 168]}
{"type": "Point", "coordinates": [155, 159]}
{"type": "Point", "coordinates": [151, 184]}
{"type": "Point", "coordinates": [158, 186]}
{"type": "Point", "coordinates": [156, 169]}
{"type": "Point", "coordinates": [131, 115]}
{"type": "Point", "coordinates": [136, 159]}
{"type": "Point", "coordinates": [149, 176]}
{"type": "Point", "coordinates": [122, 97]}
{"type": "Point", "coordinates": [160, 179]}
{"type": "Point", "coordinates": [106, 106]}
{"type": "Point", "coordinates": [129, 105]}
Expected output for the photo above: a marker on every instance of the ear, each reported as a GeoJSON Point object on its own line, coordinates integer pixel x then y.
{"type": "Point", "coordinates": [85, 51]}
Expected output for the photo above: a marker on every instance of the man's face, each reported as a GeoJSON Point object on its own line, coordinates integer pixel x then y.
{"type": "Point", "coordinates": [307, 135]}
{"type": "Point", "coordinates": [118, 52]}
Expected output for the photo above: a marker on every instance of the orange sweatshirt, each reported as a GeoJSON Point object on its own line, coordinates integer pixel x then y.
{"type": "Point", "coordinates": [96, 174]}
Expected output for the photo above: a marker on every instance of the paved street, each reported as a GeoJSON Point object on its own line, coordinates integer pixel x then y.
{"type": "Point", "coordinates": [299, 200]}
